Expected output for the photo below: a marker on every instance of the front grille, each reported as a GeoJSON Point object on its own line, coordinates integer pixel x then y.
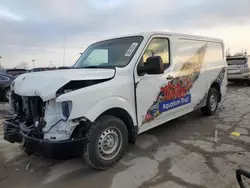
{"type": "Point", "coordinates": [29, 109]}
{"type": "Point", "coordinates": [29, 112]}
{"type": "Point", "coordinates": [35, 108]}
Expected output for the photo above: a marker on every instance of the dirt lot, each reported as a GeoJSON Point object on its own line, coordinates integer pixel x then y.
{"type": "Point", "coordinates": [181, 153]}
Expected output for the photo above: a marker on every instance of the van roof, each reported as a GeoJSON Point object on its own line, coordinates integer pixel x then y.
{"type": "Point", "coordinates": [149, 34]}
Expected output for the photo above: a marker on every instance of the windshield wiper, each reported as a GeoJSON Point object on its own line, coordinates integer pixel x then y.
{"type": "Point", "coordinates": [92, 66]}
{"type": "Point", "coordinates": [96, 66]}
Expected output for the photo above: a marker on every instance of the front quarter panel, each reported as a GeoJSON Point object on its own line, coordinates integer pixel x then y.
{"type": "Point", "coordinates": [92, 101]}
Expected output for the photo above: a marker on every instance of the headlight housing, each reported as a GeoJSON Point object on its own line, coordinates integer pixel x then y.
{"type": "Point", "coordinates": [66, 108]}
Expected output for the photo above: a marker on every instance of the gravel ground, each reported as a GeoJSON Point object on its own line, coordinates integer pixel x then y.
{"type": "Point", "coordinates": [181, 153]}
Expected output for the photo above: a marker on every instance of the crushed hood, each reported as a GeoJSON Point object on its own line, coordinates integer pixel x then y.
{"type": "Point", "coordinates": [45, 84]}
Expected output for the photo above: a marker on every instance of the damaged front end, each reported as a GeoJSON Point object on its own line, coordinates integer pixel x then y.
{"type": "Point", "coordinates": [44, 127]}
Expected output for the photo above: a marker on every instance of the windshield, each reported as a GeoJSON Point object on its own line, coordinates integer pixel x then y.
{"type": "Point", "coordinates": [236, 61]}
{"type": "Point", "coordinates": [110, 53]}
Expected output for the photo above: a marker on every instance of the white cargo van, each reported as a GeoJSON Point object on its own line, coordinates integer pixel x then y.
{"type": "Point", "coordinates": [117, 89]}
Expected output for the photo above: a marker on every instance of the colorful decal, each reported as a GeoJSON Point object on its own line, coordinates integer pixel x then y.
{"type": "Point", "coordinates": [176, 93]}
{"type": "Point", "coordinates": [202, 102]}
{"type": "Point", "coordinates": [221, 76]}
{"type": "Point", "coordinates": [219, 80]}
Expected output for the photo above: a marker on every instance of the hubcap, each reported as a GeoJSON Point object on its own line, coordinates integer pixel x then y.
{"type": "Point", "coordinates": [109, 143]}
{"type": "Point", "coordinates": [213, 102]}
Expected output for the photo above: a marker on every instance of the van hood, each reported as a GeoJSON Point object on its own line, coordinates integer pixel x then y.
{"type": "Point", "coordinates": [45, 84]}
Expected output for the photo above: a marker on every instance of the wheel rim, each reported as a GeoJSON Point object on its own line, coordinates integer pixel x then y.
{"type": "Point", "coordinates": [109, 143]}
{"type": "Point", "coordinates": [213, 102]}
{"type": "Point", "coordinates": [7, 95]}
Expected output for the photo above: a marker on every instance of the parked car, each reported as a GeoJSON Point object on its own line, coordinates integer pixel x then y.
{"type": "Point", "coordinates": [117, 89]}
{"type": "Point", "coordinates": [238, 68]}
{"type": "Point", "coordinates": [13, 72]}
{"type": "Point", "coordinates": [5, 81]}
{"type": "Point", "coordinates": [64, 67]}
{"type": "Point", "coordinates": [38, 69]}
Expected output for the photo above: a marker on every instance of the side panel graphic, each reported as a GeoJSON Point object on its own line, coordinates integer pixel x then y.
{"type": "Point", "coordinates": [219, 80]}
{"type": "Point", "coordinates": [176, 93]}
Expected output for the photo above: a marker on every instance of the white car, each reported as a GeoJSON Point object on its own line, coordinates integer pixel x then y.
{"type": "Point", "coordinates": [117, 89]}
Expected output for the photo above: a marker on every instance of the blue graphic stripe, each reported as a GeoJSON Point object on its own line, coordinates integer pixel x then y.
{"type": "Point", "coordinates": [174, 103]}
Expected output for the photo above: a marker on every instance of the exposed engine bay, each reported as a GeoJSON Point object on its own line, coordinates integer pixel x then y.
{"type": "Point", "coordinates": [42, 120]}
{"type": "Point", "coordinates": [44, 127]}
{"type": "Point", "coordinates": [48, 119]}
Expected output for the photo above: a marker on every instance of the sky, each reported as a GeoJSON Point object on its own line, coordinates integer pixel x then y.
{"type": "Point", "coordinates": [39, 29]}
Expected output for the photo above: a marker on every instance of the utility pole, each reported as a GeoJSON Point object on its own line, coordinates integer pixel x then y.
{"type": "Point", "coordinates": [64, 46]}
{"type": "Point", "coordinates": [33, 61]}
{"type": "Point", "coordinates": [228, 52]}
{"type": "Point", "coordinates": [0, 62]}
{"type": "Point", "coordinates": [245, 53]}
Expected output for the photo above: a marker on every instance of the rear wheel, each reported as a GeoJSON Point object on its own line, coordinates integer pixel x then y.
{"type": "Point", "coordinates": [212, 102]}
{"type": "Point", "coordinates": [106, 143]}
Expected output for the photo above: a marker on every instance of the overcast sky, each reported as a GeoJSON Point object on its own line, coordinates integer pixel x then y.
{"type": "Point", "coordinates": [35, 29]}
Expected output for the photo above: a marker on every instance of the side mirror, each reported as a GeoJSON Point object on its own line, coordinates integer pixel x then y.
{"type": "Point", "coordinates": [153, 65]}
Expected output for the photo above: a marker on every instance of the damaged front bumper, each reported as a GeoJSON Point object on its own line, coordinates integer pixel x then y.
{"type": "Point", "coordinates": [59, 150]}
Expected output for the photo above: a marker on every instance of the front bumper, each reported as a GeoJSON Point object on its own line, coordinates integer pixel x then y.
{"type": "Point", "coordinates": [60, 150]}
{"type": "Point", "coordinates": [243, 76]}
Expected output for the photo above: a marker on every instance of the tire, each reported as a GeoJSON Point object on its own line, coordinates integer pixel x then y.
{"type": "Point", "coordinates": [212, 102]}
{"type": "Point", "coordinates": [5, 94]}
{"type": "Point", "coordinates": [109, 130]}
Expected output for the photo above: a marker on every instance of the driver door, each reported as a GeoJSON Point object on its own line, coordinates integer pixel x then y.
{"type": "Point", "coordinates": [148, 86]}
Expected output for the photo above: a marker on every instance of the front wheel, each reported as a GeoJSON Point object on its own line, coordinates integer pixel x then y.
{"type": "Point", "coordinates": [106, 143]}
{"type": "Point", "coordinates": [212, 102]}
{"type": "Point", "coordinates": [6, 94]}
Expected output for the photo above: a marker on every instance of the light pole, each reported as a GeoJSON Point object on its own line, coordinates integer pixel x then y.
{"type": "Point", "coordinates": [0, 62]}
{"type": "Point", "coordinates": [64, 46]}
{"type": "Point", "coordinates": [33, 63]}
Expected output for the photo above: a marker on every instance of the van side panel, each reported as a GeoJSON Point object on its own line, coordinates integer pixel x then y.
{"type": "Point", "coordinates": [197, 64]}
{"type": "Point", "coordinates": [213, 67]}
{"type": "Point", "coordinates": [214, 71]}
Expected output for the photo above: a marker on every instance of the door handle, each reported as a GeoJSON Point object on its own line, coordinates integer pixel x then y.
{"type": "Point", "coordinates": [170, 77]}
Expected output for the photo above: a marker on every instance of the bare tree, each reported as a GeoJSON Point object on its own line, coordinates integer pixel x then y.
{"type": "Point", "coordinates": [22, 65]}
{"type": "Point", "coordinates": [245, 53]}
{"type": "Point", "coordinates": [238, 54]}
{"type": "Point", "coordinates": [228, 54]}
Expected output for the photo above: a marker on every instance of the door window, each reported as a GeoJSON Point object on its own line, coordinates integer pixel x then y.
{"type": "Point", "coordinates": [157, 47]}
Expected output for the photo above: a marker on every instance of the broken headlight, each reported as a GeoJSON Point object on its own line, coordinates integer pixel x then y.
{"type": "Point", "coordinates": [66, 108]}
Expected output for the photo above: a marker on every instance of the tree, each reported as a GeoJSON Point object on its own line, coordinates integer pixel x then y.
{"type": "Point", "coordinates": [238, 54]}
{"type": "Point", "coordinates": [22, 65]}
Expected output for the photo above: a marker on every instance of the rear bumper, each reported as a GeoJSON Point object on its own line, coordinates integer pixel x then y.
{"type": "Point", "coordinates": [59, 150]}
{"type": "Point", "coordinates": [244, 76]}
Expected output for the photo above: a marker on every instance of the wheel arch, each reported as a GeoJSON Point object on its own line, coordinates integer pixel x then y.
{"type": "Point", "coordinates": [117, 107]}
{"type": "Point", "coordinates": [127, 119]}
{"type": "Point", "coordinates": [216, 85]}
